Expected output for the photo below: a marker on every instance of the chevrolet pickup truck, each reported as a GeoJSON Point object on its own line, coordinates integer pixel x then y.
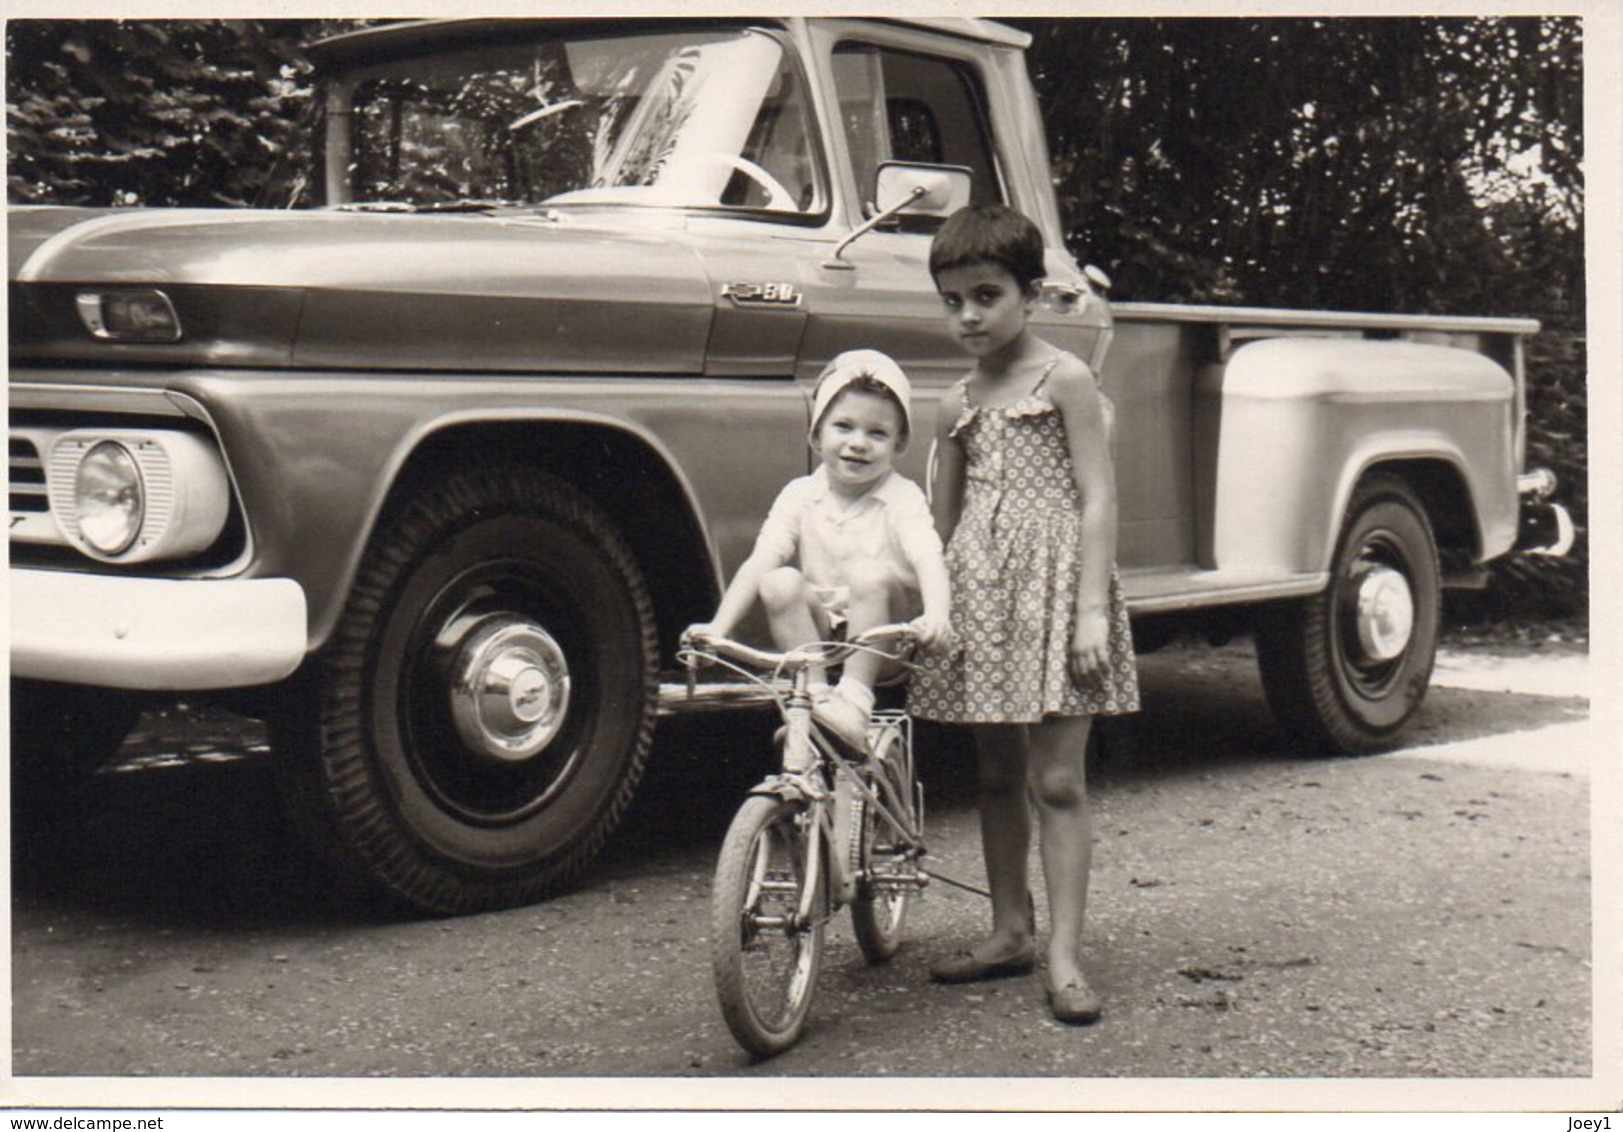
{"type": "Point", "coordinates": [430, 468]}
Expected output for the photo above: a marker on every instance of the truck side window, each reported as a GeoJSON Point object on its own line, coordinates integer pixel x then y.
{"type": "Point", "coordinates": [898, 106]}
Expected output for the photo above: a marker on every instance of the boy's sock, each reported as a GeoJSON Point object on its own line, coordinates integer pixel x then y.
{"type": "Point", "coordinates": [846, 712]}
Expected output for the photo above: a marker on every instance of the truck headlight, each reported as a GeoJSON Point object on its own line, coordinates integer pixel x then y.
{"type": "Point", "coordinates": [137, 495]}
{"type": "Point", "coordinates": [109, 498]}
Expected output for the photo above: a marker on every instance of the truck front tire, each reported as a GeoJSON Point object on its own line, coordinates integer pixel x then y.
{"type": "Point", "coordinates": [487, 701]}
{"type": "Point", "coordinates": [1347, 669]}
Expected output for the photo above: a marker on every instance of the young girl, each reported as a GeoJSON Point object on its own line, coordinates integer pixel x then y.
{"type": "Point", "coordinates": [1026, 497]}
{"type": "Point", "coordinates": [852, 543]}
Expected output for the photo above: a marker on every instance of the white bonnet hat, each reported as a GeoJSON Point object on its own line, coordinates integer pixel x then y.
{"type": "Point", "coordinates": [852, 364]}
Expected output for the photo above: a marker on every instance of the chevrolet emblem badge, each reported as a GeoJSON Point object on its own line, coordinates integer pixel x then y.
{"type": "Point", "coordinates": [761, 294]}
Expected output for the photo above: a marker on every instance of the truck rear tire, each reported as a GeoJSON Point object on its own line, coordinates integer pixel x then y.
{"type": "Point", "coordinates": [1347, 669]}
{"type": "Point", "coordinates": [487, 701]}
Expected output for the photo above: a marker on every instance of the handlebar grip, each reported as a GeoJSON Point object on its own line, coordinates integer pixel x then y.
{"type": "Point", "coordinates": [898, 632]}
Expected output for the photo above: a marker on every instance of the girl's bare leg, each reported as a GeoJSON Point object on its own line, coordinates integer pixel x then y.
{"type": "Point", "coordinates": [1058, 770]}
{"type": "Point", "coordinates": [1005, 813]}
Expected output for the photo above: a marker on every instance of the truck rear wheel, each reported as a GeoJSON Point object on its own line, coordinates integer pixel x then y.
{"type": "Point", "coordinates": [1348, 668]}
{"type": "Point", "coordinates": [487, 702]}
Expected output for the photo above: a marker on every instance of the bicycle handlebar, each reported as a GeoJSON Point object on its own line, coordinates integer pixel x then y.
{"type": "Point", "coordinates": [899, 636]}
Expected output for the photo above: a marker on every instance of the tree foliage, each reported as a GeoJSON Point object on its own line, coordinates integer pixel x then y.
{"type": "Point", "coordinates": [1397, 164]}
{"type": "Point", "coordinates": [1365, 164]}
{"type": "Point", "coordinates": [1382, 164]}
{"type": "Point", "coordinates": [178, 112]}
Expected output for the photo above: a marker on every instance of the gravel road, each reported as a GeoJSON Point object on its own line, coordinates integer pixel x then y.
{"type": "Point", "coordinates": [1421, 917]}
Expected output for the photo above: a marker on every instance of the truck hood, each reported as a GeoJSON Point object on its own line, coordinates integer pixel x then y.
{"type": "Point", "coordinates": [29, 226]}
{"type": "Point", "coordinates": [521, 291]}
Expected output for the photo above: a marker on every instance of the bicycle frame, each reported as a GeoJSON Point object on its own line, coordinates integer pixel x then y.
{"type": "Point", "coordinates": [826, 831]}
{"type": "Point", "coordinates": [829, 783]}
{"type": "Point", "coordinates": [811, 770]}
{"type": "Point", "coordinates": [808, 772]}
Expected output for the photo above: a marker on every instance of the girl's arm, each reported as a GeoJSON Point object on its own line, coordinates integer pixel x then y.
{"type": "Point", "coordinates": [1072, 388]}
{"type": "Point", "coordinates": [935, 591]}
{"type": "Point", "coordinates": [913, 529]}
{"type": "Point", "coordinates": [947, 486]}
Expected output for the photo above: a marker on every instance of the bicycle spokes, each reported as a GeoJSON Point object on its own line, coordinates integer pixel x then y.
{"type": "Point", "coordinates": [768, 947]}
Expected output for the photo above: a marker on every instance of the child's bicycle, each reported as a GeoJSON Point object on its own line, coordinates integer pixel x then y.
{"type": "Point", "coordinates": [831, 828]}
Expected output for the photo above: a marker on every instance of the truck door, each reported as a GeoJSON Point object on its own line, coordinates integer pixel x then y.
{"type": "Point", "coordinates": [744, 124]}
{"type": "Point", "coordinates": [901, 96]}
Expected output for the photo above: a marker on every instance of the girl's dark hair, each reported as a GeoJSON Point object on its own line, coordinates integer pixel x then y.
{"type": "Point", "coordinates": [989, 233]}
{"type": "Point", "coordinates": [866, 384]}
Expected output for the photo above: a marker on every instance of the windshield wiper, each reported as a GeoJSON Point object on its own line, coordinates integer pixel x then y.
{"type": "Point", "coordinates": [374, 206]}
{"type": "Point", "coordinates": [470, 204]}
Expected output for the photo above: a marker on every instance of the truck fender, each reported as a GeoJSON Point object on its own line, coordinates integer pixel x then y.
{"type": "Point", "coordinates": [449, 429]}
{"type": "Point", "coordinates": [1286, 429]}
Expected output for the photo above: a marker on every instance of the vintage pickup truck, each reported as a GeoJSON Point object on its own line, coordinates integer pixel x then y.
{"type": "Point", "coordinates": [430, 468]}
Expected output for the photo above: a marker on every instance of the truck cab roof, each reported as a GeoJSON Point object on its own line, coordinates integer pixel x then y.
{"type": "Point", "coordinates": [407, 36]}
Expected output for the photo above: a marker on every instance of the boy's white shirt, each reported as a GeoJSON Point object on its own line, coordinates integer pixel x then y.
{"type": "Point", "coordinates": [812, 526]}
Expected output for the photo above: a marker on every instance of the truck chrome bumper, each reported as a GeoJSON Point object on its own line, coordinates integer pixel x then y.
{"type": "Point", "coordinates": [155, 634]}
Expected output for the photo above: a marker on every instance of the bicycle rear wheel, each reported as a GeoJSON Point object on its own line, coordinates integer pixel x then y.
{"type": "Point", "coordinates": [765, 964]}
{"type": "Point", "coordinates": [888, 862]}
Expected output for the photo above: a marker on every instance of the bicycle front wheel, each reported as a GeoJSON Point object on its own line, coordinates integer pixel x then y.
{"type": "Point", "coordinates": [765, 961]}
{"type": "Point", "coordinates": [889, 862]}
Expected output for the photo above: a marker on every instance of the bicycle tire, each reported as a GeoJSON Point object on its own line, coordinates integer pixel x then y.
{"type": "Point", "coordinates": [765, 976]}
{"type": "Point", "coordinates": [879, 909]}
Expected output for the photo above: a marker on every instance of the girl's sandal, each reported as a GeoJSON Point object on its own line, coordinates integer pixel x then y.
{"type": "Point", "coordinates": [1075, 1003]}
{"type": "Point", "coordinates": [964, 966]}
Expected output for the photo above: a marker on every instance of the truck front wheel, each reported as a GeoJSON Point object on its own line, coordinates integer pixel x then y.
{"type": "Point", "coordinates": [487, 702]}
{"type": "Point", "coordinates": [1348, 668]}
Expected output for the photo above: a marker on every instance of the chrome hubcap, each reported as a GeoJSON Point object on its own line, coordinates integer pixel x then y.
{"type": "Point", "coordinates": [509, 690]}
{"type": "Point", "coordinates": [1384, 614]}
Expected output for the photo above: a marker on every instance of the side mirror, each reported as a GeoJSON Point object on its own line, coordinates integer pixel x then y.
{"type": "Point", "coordinates": [921, 190]}
{"type": "Point", "coordinates": [918, 190]}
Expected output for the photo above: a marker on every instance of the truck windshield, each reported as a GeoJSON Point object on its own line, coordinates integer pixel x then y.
{"type": "Point", "coordinates": [694, 118]}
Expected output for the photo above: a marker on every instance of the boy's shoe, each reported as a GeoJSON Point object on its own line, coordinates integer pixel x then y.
{"type": "Point", "coordinates": [843, 720]}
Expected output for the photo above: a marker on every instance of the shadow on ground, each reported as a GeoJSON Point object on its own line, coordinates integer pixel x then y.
{"type": "Point", "coordinates": [185, 826]}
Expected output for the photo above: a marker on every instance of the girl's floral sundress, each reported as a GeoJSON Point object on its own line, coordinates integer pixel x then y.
{"type": "Point", "coordinates": [1015, 562]}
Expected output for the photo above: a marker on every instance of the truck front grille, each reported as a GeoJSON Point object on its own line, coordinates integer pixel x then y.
{"type": "Point", "coordinates": [28, 495]}
{"type": "Point", "coordinates": [31, 521]}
